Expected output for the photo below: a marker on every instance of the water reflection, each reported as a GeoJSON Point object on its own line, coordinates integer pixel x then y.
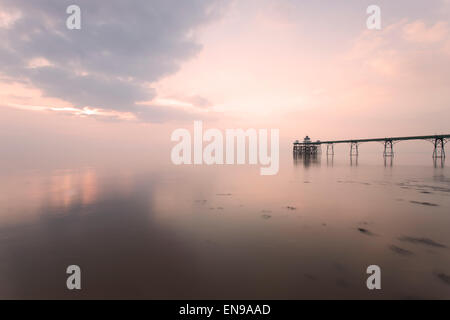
{"type": "Point", "coordinates": [212, 233]}
{"type": "Point", "coordinates": [354, 160]}
{"type": "Point", "coordinates": [306, 160]}
{"type": "Point", "coordinates": [439, 162]}
{"type": "Point", "coordinates": [330, 160]}
{"type": "Point", "coordinates": [69, 186]}
{"type": "Point", "coordinates": [388, 161]}
{"type": "Point", "coordinates": [120, 249]}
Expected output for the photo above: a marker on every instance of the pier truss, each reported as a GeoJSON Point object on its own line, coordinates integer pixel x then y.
{"type": "Point", "coordinates": [354, 148]}
{"type": "Point", "coordinates": [330, 149]}
{"type": "Point", "coordinates": [388, 148]}
{"type": "Point", "coordinates": [439, 150]}
{"type": "Point", "coordinates": [438, 141]}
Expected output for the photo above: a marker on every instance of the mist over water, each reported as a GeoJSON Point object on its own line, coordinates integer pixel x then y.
{"type": "Point", "coordinates": [197, 232]}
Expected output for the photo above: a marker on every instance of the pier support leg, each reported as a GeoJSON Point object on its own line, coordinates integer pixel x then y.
{"type": "Point", "coordinates": [388, 148]}
{"type": "Point", "coordinates": [439, 151]}
{"type": "Point", "coordinates": [330, 149]}
{"type": "Point", "coordinates": [353, 148]}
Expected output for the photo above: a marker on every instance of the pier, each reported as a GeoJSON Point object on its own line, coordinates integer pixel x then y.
{"type": "Point", "coordinates": [313, 147]}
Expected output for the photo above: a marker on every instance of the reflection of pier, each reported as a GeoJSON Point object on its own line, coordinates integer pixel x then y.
{"type": "Point", "coordinates": [438, 162]}
{"type": "Point", "coordinates": [306, 159]}
{"type": "Point", "coordinates": [310, 147]}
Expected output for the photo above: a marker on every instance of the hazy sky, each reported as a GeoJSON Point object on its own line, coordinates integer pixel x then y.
{"type": "Point", "coordinates": [306, 67]}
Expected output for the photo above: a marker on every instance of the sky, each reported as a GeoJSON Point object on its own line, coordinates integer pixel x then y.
{"type": "Point", "coordinates": [139, 69]}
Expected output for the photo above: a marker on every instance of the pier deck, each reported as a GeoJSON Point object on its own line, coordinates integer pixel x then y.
{"type": "Point", "coordinates": [313, 146]}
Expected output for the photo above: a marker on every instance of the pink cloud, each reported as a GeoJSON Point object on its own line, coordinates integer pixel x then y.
{"type": "Point", "coordinates": [419, 32]}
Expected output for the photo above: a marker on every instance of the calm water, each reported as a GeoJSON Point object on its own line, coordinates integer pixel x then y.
{"type": "Point", "coordinates": [162, 232]}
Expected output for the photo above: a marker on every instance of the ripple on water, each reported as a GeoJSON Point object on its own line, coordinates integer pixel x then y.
{"type": "Point", "coordinates": [400, 251]}
{"type": "Point", "coordinates": [423, 241]}
{"type": "Point", "coordinates": [424, 203]}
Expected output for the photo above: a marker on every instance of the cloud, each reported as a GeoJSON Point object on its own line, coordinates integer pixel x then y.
{"type": "Point", "coordinates": [199, 101]}
{"type": "Point", "coordinates": [122, 48]}
{"type": "Point", "coordinates": [420, 33]}
{"type": "Point", "coordinates": [158, 113]}
{"type": "Point", "coordinates": [410, 51]}
{"type": "Point", "coordinates": [89, 90]}
{"type": "Point", "coordinates": [192, 101]}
